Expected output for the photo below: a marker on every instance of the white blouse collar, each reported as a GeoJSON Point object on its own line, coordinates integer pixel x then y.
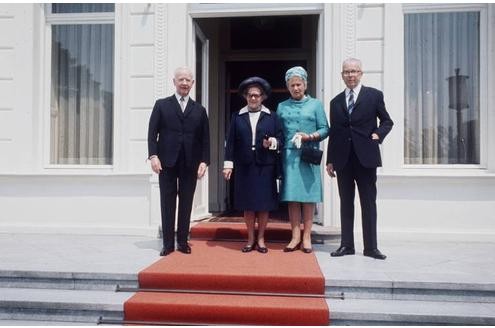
{"type": "Point", "coordinates": [245, 110]}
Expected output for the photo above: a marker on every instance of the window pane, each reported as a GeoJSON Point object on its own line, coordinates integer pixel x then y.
{"type": "Point", "coordinates": [82, 94]}
{"type": "Point", "coordinates": [442, 88]}
{"type": "Point", "coordinates": [63, 8]}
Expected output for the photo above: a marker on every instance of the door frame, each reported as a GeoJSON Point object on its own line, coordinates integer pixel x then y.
{"type": "Point", "coordinates": [200, 204]}
{"type": "Point", "coordinates": [327, 211]}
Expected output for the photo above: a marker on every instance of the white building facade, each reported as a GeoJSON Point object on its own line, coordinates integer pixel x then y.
{"type": "Point", "coordinates": [78, 82]}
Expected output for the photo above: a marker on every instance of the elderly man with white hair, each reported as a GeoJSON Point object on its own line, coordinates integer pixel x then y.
{"type": "Point", "coordinates": [179, 151]}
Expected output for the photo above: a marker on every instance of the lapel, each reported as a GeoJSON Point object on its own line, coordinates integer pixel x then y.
{"type": "Point", "coordinates": [244, 116]}
{"type": "Point", "coordinates": [258, 126]}
{"type": "Point", "coordinates": [362, 95]}
{"type": "Point", "coordinates": [189, 107]}
{"type": "Point", "coordinates": [343, 104]}
{"type": "Point", "coordinates": [176, 107]}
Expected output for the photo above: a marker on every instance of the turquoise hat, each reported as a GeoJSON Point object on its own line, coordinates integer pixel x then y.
{"type": "Point", "coordinates": [296, 71]}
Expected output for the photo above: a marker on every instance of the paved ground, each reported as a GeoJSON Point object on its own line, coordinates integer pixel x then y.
{"type": "Point", "coordinates": [412, 261]}
{"type": "Point", "coordinates": [408, 260]}
{"type": "Point", "coordinates": [416, 261]}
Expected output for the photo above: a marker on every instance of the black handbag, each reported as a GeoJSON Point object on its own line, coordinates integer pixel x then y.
{"type": "Point", "coordinates": [311, 155]}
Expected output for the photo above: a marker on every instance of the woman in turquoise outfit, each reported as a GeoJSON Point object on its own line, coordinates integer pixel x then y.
{"type": "Point", "coordinates": [304, 125]}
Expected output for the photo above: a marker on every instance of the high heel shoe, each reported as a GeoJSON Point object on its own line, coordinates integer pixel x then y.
{"type": "Point", "coordinates": [248, 248]}
{"type": "Point", "coordinates": [306, 250]}
{"type": "Point", "coordinates": [291, 249]}
{"type": "Point", "coordinates": [263, 250]}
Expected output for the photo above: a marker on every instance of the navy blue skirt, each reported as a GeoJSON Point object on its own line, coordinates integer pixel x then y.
{"type": "Point", "coordinates": [255, 188]}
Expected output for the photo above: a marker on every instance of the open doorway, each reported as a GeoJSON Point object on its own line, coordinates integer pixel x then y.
{"type": "Point", "coordinates": [241, 47]}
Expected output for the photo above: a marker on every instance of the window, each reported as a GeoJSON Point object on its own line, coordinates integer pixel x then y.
{"type": "Point", "coordinates": [82, 83]}
{"type": "Point", "coordinates": [442, 88]}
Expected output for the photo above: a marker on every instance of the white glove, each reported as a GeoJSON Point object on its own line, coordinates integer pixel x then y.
{"type": "Point", "coordinates": [297, 140]}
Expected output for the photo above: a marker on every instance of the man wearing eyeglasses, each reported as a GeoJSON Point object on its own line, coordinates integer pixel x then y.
{"type": "Point", "coordinates": [353, 155]}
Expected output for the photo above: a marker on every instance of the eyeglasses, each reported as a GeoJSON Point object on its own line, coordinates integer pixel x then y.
{"type": "Point", "coordinates": [253, 95]}
{"type": "Point", "coordinates": [353, 72]}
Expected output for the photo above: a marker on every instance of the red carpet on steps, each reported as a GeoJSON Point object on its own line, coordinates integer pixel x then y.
{"type": "Point", "coordinates": [221, 266]}
{"type": "Point", "coordinates": [238, 231]}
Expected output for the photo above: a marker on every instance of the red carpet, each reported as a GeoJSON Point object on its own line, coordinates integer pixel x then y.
{"type": "Point", "coordinates": [238, 231]}
{"type": "Point", "coordinates": [220, 266]}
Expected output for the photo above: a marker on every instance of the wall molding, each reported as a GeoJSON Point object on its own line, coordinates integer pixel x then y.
{"type": "Point", "coordinates": [350, 14]}
{"type": "Point", "coordinates": [160, 67]}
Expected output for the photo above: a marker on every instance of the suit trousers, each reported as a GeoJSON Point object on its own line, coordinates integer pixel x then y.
{"type": "Point", "coordinates": [178, 180]}
{"type": "Point", "coordinates": [354, 173]}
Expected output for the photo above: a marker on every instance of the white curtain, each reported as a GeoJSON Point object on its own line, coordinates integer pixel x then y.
{"type": "Point", "coordinates": [436, 44]}
{"type": "Point", "coordinates": [82, 94]}
{"type": "Point", "coordinates": [58, 8]}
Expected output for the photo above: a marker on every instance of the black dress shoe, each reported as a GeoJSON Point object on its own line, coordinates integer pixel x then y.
{"type": "Point", "coordinates": [343, 250]}
{"type": "Point", "coordinates": [186, 249]}
{"type": "Point", "coordinates": [166, 251]}
{"type": "Point", "coordinates": [374, 253]}
{"type": "Point", "coordinates": [248, 248]}
{"type": "Point", "coordinates": [291, 249]}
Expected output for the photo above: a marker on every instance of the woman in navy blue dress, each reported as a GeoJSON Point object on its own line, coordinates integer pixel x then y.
{"type": "Point", "coordinates": [253, 141]}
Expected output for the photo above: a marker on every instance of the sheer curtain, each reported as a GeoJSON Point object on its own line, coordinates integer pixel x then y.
{"type": "Point", "coordinates": [59, 8]}
{"type": "Point", "coordinates": [436, 44]}
{"type": "Point", "coordinates": [82, 94]}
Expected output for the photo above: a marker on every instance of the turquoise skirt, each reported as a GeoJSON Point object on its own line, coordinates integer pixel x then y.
{"type": "Point", "coordinates": [301, 181]}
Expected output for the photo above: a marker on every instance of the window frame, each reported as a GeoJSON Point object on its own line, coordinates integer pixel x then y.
{"type": "Point", "coordinates": [482, 9]}
{"type": "Point", "coordinates": [51, 19]}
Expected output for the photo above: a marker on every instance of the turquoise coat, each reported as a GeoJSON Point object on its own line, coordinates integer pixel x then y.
{"type": "Point", "coordinates": [301, 181]}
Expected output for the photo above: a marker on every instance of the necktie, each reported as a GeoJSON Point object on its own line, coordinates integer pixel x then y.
{"type": "Point", "coordinates": [350, 106]}
{"type": "Point", "coordinates": [182, 103]}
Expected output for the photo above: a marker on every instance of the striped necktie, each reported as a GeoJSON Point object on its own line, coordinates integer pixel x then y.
{"type": "Point", "coordinates": [182, 103]}
{"type": "Point", "coordinates": [350, 106]}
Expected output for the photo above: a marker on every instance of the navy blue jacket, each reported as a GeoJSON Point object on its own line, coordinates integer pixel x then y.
{"type": "Point", "coordinates": [170, 129]}
{"type": "Point", "coordinates": [239, 148]}
{"type": "Point", "coordinates": [356, 130]}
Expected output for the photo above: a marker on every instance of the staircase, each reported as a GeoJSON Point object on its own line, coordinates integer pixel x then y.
{"type": "Point", "coordinates": [372, 302]}
{"type": "Point", "coordinates": [56, 298]}
{"type": "Point", "coordinates": [48, 298]}
{"type": "Point", "coordinates": [394, 298]}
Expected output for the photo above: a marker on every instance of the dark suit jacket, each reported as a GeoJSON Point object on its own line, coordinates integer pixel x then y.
{"type": "Point", "coordinates": [239, 141]}
{"type": "Point", "coordinates": [170, 129]}
{"type": "Point", "coordinates": [358, 129]}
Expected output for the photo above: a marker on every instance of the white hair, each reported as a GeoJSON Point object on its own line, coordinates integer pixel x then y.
{"type": "Point", "coordinates": [183, 69]}
{"type": "Point", "coordinates": [352, 61]}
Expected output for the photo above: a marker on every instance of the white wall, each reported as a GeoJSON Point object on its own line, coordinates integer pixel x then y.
{"type": "Point", "coordinates": [153, 39]}
{"type": "Point", "coordinates": [35, 196]}
{"type": "Point", "coordinates": [17, 128]}
{"type": "Point", "coordinates": [462, 205]}
{"type": "Point", "coordinates": [430, 200]}
{"type": "Point", "coordinates": [69, 203]}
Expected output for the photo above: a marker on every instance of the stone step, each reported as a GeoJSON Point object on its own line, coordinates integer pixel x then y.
{"type": "Point", "coordinates": [86, 306]}
{"type": "Point", "coordinates": [412, 290]}
{"type": "Point", "coordinates": [359, 289]}
{"type": "Point", "coordinates": [66, 280]}
{"type": "Point", "coordinates": [30, 304]}
{"type": "Point", "coordinates": [40, 323]}
{"type": "Point", "coordinates": [402, 312]}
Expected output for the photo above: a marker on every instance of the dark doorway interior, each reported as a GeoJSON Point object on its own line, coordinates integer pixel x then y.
{"type": "Point", "coordinates": [283, 39]}
{"type": "Point", "coordinates": [240, 47]}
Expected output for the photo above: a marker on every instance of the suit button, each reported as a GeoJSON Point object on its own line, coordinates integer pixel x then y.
{"type": "Point", "coordinates": [350, 139]}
